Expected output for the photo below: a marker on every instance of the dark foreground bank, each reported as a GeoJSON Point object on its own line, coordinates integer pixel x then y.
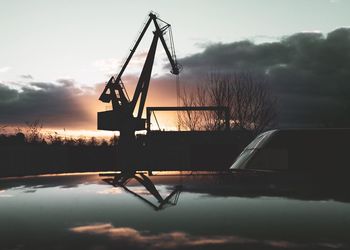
{"type": "Point", "coordinates": [213, 151]}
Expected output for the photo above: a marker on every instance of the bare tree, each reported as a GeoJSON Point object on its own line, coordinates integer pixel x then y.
{"type": "Point", "coordinates": [191, 120]}
{"type": "Point", "coordinates": [249, 100]}
{"type": "Point", "coordinates": [33, 131]}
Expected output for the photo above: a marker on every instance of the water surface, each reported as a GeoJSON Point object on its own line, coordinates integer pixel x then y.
{"type": "Point", "coordinates": [84, 212]}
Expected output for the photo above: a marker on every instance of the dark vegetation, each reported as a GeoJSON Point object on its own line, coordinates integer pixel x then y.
{"type": "Point", "coordinates": [29, 151]}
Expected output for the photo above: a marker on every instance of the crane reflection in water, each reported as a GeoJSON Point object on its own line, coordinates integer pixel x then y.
{"type": "Point", "coordinates": [122, 179]}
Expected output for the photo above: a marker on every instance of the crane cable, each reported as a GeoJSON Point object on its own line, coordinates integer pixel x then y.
{"type": "Point", "coordinates": [155, 117]}
{"type": "Point", "coordinates": [178, 91]}
{"type": "Point", "coordinates": [178, 100]}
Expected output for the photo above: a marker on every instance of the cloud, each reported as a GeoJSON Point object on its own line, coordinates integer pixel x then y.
{"type": "Point", "coordinates": [110, 191]}
{"type": "Point", "coordinates": [66, 82]}
{"type": "Point", "coordinates": [308, 71]}
{"type": "Point", "coordinates": [54, 104]}
{"type": "Point", "coordinates": [27, 76]}
{"type": "Point", "coordinates": [47, 181]}
{"type": "Point", "coordinates": [133, 238]}
{"type": "Point", "coordinates": [5, 69]}
{"type": "Point", "coordinates": [162, 240]}
{"type": "Point", "coordinates": [4, 195]}
{"type": "Point", "coordinates": [7, 95]}
{"type": "Point", "coordinates": [109, 65]}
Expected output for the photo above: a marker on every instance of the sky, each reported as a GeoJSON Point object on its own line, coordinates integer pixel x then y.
{"type": "Point", "coordinates": [56, 55]}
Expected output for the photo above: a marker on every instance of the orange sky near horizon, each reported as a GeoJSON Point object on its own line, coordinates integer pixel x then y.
{"type": "Point", "coordinates": [161, 93]}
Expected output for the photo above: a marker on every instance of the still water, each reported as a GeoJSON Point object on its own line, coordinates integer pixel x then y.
{"type": "Point", "coordinates": [179, 212]}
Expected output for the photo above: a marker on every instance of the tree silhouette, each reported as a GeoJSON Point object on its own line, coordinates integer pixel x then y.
{"type": "Point", "coordinates": [251, 105]}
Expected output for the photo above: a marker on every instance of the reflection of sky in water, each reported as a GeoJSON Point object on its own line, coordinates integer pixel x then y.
{"type": "Point", "coordinates": [88, 213]}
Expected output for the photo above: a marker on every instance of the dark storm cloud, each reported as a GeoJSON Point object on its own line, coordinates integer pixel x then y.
{"type": "Point", "coordinates": [309, 72]}
{"type": "Point", "coordinates": [7, 95]}
{"type": "Point", "coordinates": [53, 104]}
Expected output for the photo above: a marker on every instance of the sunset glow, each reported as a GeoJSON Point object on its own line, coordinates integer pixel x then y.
{"type": "Point", "coordinates": [56, 80]}
{"type": "Point", "coordinates": [159, 124]}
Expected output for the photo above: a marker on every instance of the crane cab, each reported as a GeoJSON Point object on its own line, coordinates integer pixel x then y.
{"type": "Point", "coordinates": [115, 121]}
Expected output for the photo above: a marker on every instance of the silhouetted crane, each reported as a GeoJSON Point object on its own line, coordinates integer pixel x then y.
{"type": "Point", "coordinates": [122, 118]}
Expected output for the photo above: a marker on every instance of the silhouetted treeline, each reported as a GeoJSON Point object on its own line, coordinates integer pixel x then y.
{"type": "Point", "coordinates": [26, 154]}
{"type": "Point", "coordinates": [20, 138]}
{"type": "Point", "coordinates": [32, 133]}
{"type": "Point", "coordinates": [29, 152]}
